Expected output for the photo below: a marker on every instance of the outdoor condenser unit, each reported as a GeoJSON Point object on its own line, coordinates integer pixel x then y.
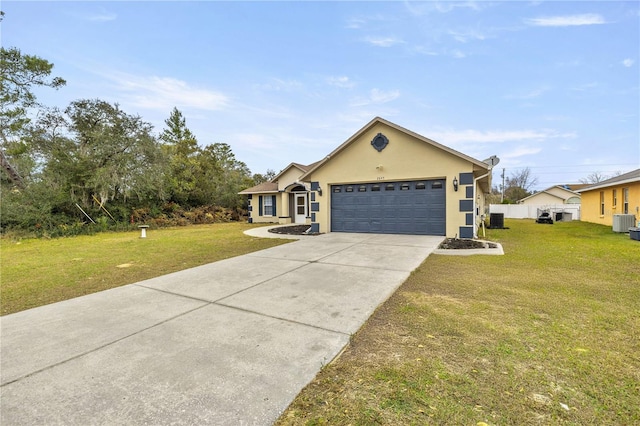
{"type": "Point", "coordinates": [622, 222]}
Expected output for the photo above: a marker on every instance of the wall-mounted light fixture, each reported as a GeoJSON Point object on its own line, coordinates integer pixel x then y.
{"type": "Point", "coordinates": [320, 191]}
{"type": "Point", "coordinates": [455, 184]}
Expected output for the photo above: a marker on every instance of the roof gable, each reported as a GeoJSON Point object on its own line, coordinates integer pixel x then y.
{"type": "Point", "coordinates": [417, 136]}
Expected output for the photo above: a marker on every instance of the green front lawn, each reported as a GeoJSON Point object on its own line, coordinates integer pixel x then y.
{"type": "Point", "coordinates": [547, 334]}
{"type": "Point", "coordinates": [37, 272]}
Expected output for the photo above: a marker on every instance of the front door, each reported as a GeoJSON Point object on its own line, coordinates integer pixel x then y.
{"type": "Point", "coordinates": [301, 208]}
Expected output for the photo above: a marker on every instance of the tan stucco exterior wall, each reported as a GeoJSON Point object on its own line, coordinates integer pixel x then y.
{"type": "Point", "coordinates": [255, 208]}
{"type": "Point", "coordinates": [405, 158]}
{"type": "Point", "coordinates": [542, 199]}
{"type": "Point", "coordinates": [288, 177]}
{"type": "Point", "coordinates": [591, 203]}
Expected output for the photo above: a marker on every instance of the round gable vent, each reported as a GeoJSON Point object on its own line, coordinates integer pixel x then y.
{"type": "Point", "coordinates": [380, 142]}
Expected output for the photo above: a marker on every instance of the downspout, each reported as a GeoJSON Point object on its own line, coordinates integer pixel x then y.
{"type": "Point", "coordinates": [475, 216]}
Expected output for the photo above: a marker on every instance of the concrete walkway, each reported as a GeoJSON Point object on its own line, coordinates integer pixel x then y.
{"type": "Point", "coordinates": [228, 343]}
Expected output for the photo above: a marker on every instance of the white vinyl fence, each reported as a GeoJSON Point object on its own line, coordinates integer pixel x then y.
{"type": "Point", "coordinates": [532, 211]}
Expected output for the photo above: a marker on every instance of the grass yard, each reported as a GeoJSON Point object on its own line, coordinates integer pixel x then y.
{"type": "Point", "coordinates": [37, 272]}
{"type": "Point", "coordinates": [547, 334]}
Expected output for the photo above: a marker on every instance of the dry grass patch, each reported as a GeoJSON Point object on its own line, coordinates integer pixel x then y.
{"type": "Point", "coordinates": [547, 334]}
{"type": "Point", "coordinates": [37, 272]}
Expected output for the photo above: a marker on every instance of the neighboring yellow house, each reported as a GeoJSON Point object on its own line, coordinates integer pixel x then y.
{"type": "Point", "coordinates": [618, 195]}
{"type": "Point", "coordinates": [383, 179]}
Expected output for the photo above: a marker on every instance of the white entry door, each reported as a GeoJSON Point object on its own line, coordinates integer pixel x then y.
{"type": "Point", "coordinates": [301, 208]}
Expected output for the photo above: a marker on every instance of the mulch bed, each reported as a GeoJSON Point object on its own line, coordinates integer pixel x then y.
{"type": "Point", "coordinates": [292, 230]}
{"type": "Point", "coordinates": [463, 243]}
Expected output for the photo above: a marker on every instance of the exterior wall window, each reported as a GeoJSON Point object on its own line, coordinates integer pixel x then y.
{"type": "Point", "coordinates": [625, 200]}
{"type": "Point", "coordinates": [614, 200]}
{"type": "Point", "coordinates": [268, 206]}
{"type": "Point", "coordinates": [601, 203]}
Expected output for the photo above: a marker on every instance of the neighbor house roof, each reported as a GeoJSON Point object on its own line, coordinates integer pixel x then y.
{"type": "Point", "coordinates": [377, 120]}
{"type": "Point", "coordinates": [573, 186]}
{"type": "Point", "coordinates": [632, 176]}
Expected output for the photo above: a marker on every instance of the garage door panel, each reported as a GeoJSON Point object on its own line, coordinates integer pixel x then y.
{"type": "Point", "coordinates": [410, 207]}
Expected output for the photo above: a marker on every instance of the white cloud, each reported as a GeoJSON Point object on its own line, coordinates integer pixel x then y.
{"type": "Point", "coordinates": [280, 85]}
{"type": "Point", "coordinates": [100, 16]}
{"type": "Point", "coordinates": [567, 21]}
{"type": "Point", "coordinates": [448, 6]}
{"type": "Point", "coordinates": [377, 96]}
{"type": "Point", "coordinates": [164, 93]}
{"type": "Point", "coordinates": [362, 21]}
{"type": "Point", "coordinates": [465, 36]}
{"type": "Point", "coordinates": [532, 94]}
{"type": "Point", "coordinates": [520, 151]}
{"type": "Point", "coordinates": [628, 62]}
{"type": "Point", "coordinates": [422, 50]}
{"type": "Point", "coordinates": [355, 23]}
{"type": "Point", "coordinates": [383, 41]}
{"type": "Point", "coordinates": [458, 54]}
{"type": "Point", "coordinates": [422, 8]}
{"type": "Point", "coordinates": [453, 137]}
{"type": "Point", "coordinates": [341, 81]}
{"type": "Point", "coordinates": [586, 86]}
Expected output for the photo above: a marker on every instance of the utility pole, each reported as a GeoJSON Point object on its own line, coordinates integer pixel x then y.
{"type": "Point", "coordinates": [502, 197]}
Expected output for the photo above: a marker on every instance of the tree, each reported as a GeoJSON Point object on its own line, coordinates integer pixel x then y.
{"type": "Point", "coordinates": [18, 74]}
{"type": "Point", "coordinates": [182, 150]}
{"type": "Point", "coordinates": [596, 177]}
{"type": "Point", "coordinates": [115, 153]}
{"type": "Point", "coordinates": [234, 176]}
{"type": "Point", "coordinates": [519, 185]}
{"type": "Point", "coordinates": [261, 178]}
{"type": "Point", "coordinates": [97, 150]}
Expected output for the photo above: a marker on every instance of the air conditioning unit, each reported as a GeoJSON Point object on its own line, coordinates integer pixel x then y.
{"type": "Point", "coordinates": [622, 222]}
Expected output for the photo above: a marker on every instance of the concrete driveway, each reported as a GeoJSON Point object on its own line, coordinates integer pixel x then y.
{"type": "Point", "coordinates": [228, 343]}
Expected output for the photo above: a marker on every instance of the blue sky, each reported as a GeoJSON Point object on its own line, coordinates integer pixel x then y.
{"type": "Point", "coordinates": [553, 86]}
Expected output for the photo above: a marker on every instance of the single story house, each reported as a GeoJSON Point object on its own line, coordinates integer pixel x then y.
{"type": "Point", "coordinates": [383, 179]}
{"type": "Point", "coordinates": [557, 194]}
{"type": "Point", "coordinates": [618, 195]}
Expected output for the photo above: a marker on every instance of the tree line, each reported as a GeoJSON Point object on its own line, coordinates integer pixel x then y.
{"type": "Point", "coordinates": [93, 166]}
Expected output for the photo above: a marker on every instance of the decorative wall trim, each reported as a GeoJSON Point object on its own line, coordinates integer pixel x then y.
{"type": "Point", "coordinates": [469, 219]}
{"type": "Point", "coordinates": [466, 205]}
{"type": "Point", "coordinates": [466, 178]}
{"type": "Point", "coordinates": [466, 232]}
{"type": "Point", "coordinates": [469, 191]}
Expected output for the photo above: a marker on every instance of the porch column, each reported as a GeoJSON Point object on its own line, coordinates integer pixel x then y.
{"type": "Point", "coordinates": [284, 212]}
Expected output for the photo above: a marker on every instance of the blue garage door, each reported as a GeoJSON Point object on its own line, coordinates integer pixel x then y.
{"type": "Point", "coordinates": [415, 207]}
